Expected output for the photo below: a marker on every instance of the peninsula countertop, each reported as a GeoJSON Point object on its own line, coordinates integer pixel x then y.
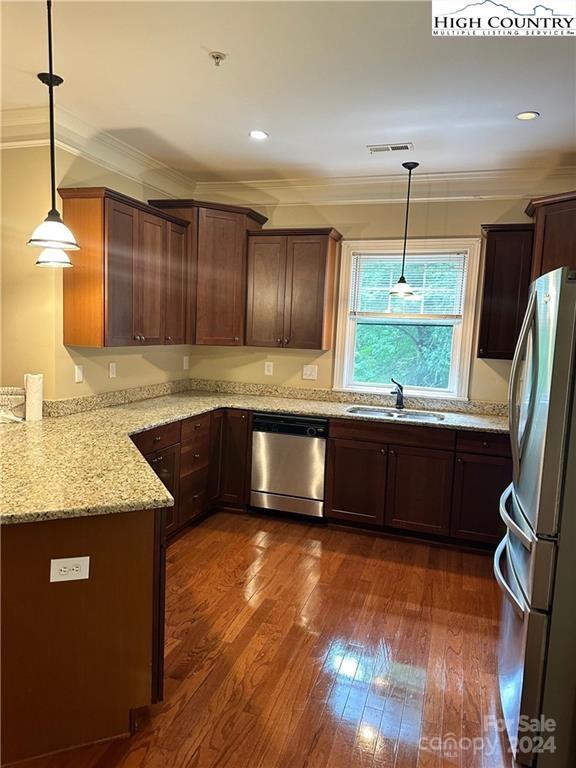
{"type": "Point", "coordinates": [86, 464]}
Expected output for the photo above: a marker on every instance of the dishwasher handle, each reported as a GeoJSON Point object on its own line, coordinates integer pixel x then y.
{"type": "Point", "coordinates": [286, 424]}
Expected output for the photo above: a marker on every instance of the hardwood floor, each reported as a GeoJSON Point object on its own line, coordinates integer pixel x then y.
{"type": "Point", "coordinates": [292, 645]}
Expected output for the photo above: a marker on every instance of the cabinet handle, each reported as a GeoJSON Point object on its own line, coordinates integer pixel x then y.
{"type": "Point", "coordinates": [278, 341]}
{"type": "Point", "coordinates": [243, 417]}
{"type": "Point", "coordinates": [157, 459]}
{"type": "Point", "coordinates": [236, 338]}
{"type": "Point", "coordinates": [196, 455]}
{"type": "Point", "coordinates": [481, 351]}
{"type": "Point", "coordinates": [383, 450]}
{"type": "Point", "coordinates": [197, 426]}
{"type": "Point", "coordinates": [286, 341]}
{"type": "Point", "coordinates": [392, 453]}
{"type": "Point", "coordinates": [196, 496]}
{"type": "Point", "coordinates": [157, 439]}
{"type": "Point", "coordinates": [142, 338]}
{"type": "Point", "coordinates": [169, 339]}
{"type": "Point", "coordinates": [459, 461]}
{"type": "Point", "coordinates": [485, 443]}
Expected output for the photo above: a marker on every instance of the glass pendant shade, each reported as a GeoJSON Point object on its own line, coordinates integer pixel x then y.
{"type": "Point", "coordinates": [402, 288]}
{"type": "Point", "coordinates": [53, 233]}
{"type": "Point", "coordinates": [53, 257]}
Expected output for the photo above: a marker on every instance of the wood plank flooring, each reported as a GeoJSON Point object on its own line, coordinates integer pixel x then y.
{"type": "Point", "coordinates": [295, 645]}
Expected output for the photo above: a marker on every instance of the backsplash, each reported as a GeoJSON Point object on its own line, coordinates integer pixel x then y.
{"type": "Point", "coordinates": [67, 406]}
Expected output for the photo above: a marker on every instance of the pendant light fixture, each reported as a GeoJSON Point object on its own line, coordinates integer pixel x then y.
{"type": "Point", "coordinates": [402, 288]}
{"type": "Point", "coordinates": [52, 234]}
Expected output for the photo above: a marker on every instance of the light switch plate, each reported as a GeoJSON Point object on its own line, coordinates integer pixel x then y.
{"type": "Point", "coordinates": [310, 372]}
{"type": "Point", "coordinates": [69, 568]}
{"type": "Point", "coordinates": [78, 374]}
{"type": "Point", "coordinates": [186, 362]}
{"type": "Point", "coordinates": [111, 370]}
{"type": "Point", "coordinates": [268, 368]}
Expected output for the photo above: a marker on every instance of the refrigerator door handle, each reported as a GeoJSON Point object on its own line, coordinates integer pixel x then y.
{"type": "Point", "coordinates": [518, 606]}
{"type": "Point", "coordinates": [512, 405]}
{"type": "Point", "coordinates": [527, 540]}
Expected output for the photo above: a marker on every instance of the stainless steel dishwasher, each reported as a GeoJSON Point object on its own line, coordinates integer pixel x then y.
{"type": "Point", "coordinates": [288, 463]}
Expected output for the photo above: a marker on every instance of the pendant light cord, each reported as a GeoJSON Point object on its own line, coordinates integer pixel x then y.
{"type": "Point", "coordinates": [406, 220]}
{"type": "Point", "coordinates": [51, 97]}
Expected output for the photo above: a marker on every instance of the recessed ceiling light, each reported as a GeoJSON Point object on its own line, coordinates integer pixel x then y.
{"type": "Point", "coordinates": [530, 115]}
{"type": "Point", "coordinates": [258, 135]}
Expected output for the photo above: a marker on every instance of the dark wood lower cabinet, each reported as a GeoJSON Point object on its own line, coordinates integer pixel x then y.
{"type": "Point", "coordinates": [235, 448]}
{"type": "Point", "coordinates": [215, 463]}
{"type": "Point", "coordinates": [478, 483]}
{"type": "Point", "coordinates": [166, 464]}
{"type": "Point", "coordinates": [356, 481]}
{"type": "Point", "coordinates": [419, 489]}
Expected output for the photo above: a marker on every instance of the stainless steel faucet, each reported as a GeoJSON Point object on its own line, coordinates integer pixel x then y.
{"type": "Point", "coordinates": [399, 392]}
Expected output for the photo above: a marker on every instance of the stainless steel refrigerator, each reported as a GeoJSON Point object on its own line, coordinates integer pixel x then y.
{"type": "Point", "coordinates": [535, 563]}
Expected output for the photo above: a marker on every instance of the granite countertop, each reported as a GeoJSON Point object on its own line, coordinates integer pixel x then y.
{"type": "Point", "coordinates": [86, 464]}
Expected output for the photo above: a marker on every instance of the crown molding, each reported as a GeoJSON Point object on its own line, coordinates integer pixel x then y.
{"type": "Point", "coordinates": [29, 128]}
{"type": "Point", "coordinates": [362, 190]}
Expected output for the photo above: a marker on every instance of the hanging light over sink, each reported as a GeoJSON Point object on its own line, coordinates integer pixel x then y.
{"type": "Point", "coordinates": [52, 234]}
{"type": "Point", "coordinates": [403, 289]}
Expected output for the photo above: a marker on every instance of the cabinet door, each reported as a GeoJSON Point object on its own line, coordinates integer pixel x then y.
{"type": "Point", "coordinates": [508, 259]}
{"type": "Point", "coordinates": [266, 289]}
{"type": "Point", "coordinates": [234, 457]}
{"type": "Point", "coordinates": [478, 484]}
{"type": "Point", "coordinates": [304, 297]}
{"type": "Point", "coordinates": [166, 464]}
{"type": "Point", "coordinates": [356, 481]}
{"type": "Point", "coordinates": [555, 237]}
{"type": "Point", "coordinates": [221, 278]}
{"type": "Point", "coordinates": [176, 285]}
{"type": "Point", "coordinates": [215, 464]}
{"type": "Point", "coordinates": [149, 279]}
{"type": "Point", "coordinates": [121, 236]}
{"type": "Point", "coordinates": [419, 489]}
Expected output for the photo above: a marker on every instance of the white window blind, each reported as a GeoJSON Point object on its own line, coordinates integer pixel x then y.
{"type": "Point", "coordinates": [438, 281]}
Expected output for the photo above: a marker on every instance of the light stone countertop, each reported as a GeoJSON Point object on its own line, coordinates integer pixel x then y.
{"type": "Point", "coordinates": [86, 464]}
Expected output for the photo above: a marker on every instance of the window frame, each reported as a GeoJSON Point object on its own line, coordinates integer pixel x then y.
{"type": "Point", "coordinates": [462, 343]}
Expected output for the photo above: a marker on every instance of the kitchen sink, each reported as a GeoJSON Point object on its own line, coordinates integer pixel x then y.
{"type": "Point", "coordinates": [393, 413]}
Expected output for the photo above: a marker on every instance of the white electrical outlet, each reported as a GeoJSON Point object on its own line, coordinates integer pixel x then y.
{"type": "Point", "coordinates": [268, 368]}
{"type": "Point", "coordinates": [78, 374]}
{"type": "Point", "coordinates": [310, 372]}
{"type": "Point", "coordinates": [186, 362]}
{"type": "Point", "coordinates": [111, 370]}
{"type": "Point", "coordinates": [69, 568]}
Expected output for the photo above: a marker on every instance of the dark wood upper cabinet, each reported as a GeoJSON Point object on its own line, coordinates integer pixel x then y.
{"type": "Point", "coordinates": [555, 232]}
{"type": "Point", "coordinates": [149, 269]}
{"type": "Point", "coordinates": [217, 269]}
{"type": "Point", "coordinates": [356, 482]}
{"type": "Point", "coordinates": [419, 489]}
{"type": "Point", "coordinates": [221, 278]}
{"type": "Point", "coordinates": [478, 484]}
{"type": "Point", "coordinates": [115, 295]}
{"type": "Point", "coordinates": [266, 290]}
{"type": "Point", "coordinates": [291, 283]}
{"type": "Point", "coordinates": [176, 285]}
{"type": "Point", "coordinates": [82, 283]}
{"type": "Point", "coordinates": [507, 264]}
{"type": "Point", "coordinates": [235, 448]}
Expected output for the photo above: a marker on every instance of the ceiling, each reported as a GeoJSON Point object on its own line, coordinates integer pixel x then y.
{"type": "Point", "coordinates": [324, 79]}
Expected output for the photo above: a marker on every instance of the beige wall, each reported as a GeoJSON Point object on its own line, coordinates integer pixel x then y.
{"type": "Point", "coordinates": [32, 297]}
{"type": "Point", "coordinates": [489, 379]}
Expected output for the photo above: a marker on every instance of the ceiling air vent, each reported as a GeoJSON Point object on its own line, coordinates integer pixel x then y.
{"type": "Point", "coordinates": [405, 146]}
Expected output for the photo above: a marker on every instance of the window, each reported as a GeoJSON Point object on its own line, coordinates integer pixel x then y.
{"type": "Point", "coordinates": [424, 341]}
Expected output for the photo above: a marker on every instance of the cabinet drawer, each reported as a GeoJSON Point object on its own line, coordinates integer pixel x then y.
{"type": "Point", "coordinates": [399, 434]}
{"type": "Point", "coordinates": [159, 437]}
{"type": "Point", "coordinates": [196, 427]}
{"type": "Point", "coordinates": [193, 488]}
{"type": "Point", "coordinates": [195, 454]}
{"type": "Point", "coordinates": [488, 443]}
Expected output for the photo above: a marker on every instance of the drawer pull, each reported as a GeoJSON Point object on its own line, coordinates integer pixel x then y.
{"type": "Point", "coordinates": [196, 455]}
{"type": "Point", "coordinates": [157, 438]}
{"type": "Point", "coordinates": [197, 426]}
{"type": "Point", "coordinates": [485, 443]}
{"type": "Point", "coordinates": [156, 459]}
